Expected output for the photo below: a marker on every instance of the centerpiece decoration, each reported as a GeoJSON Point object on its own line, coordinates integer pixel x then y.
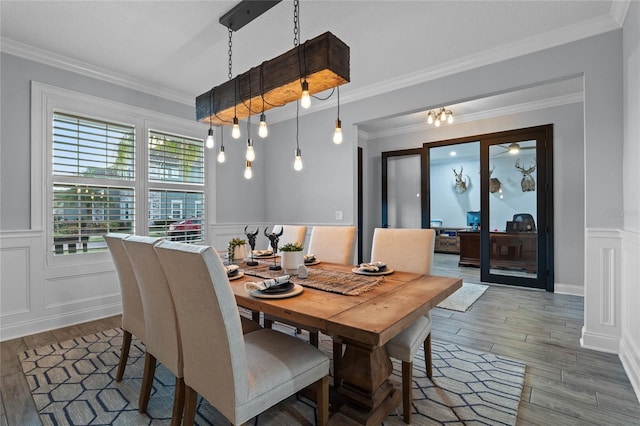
{"type": "Point", "coordinates": [291, 257]}
{"type": "Point", "coordinates": [237, 249]}
{"type": "Point", "coordinates": [252, 244]}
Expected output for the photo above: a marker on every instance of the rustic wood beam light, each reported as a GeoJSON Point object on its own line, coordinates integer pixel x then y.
{"type": "Point", "coordinates": [327, 66]}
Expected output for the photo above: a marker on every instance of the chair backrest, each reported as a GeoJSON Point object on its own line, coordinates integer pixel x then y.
{"type": "Point", "coordinates": [528, 224]}
{"type": "Point", "coordinates": [291, 234]}
{"type": "Point", "coordinates": [211, 332]}
{"type": "Point", "coordinates": [162, 333]}
{"type": "Point", "coordinates": [132, 313]}
{"type": "Point", "coordinates": [333, 243]}
{"type": "Point", "coordinates": [407, 250]}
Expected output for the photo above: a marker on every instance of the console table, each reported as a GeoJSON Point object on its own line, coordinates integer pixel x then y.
{"type": "Point", "coordinates": [507, 250]}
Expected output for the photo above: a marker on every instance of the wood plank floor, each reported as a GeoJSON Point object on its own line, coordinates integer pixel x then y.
{"type": "Point", "coordinates": [564, 384]}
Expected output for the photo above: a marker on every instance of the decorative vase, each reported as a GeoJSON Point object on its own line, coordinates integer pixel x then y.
{"type": "Point", "coordinates": [289, 260]}
{"type": "Point", "coordinates": [239, 253]}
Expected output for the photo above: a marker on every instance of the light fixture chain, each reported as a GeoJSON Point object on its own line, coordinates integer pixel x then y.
{"type": "Point", "coordinates": [230, 53]}
{"type": "Point", "coordinates": [296, 39]}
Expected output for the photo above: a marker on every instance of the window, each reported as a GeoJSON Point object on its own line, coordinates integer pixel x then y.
{"type": "Point", "coordinates": [106, 167]}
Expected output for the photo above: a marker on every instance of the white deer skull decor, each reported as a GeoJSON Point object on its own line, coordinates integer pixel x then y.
{"type": "Point", "coordinates": [460, 184]}
{"type": "Point", "coordinates": [527, 183]}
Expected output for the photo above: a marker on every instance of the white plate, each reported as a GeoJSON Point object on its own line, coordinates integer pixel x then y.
{"type": "Point", "coordinates": [296, 290]}
{"type": "Point", "coordinates": [362, 272]}
{"type": "Point", "coordinates": [315, 262]}
{"type": "Point", "coordinates": [236, 276]}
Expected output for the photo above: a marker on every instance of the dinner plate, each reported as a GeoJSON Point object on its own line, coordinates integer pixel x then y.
{"type": "Point", "coordinates": [296, 290]}
{"type": "Point", "coordinates": [236, 276]}
{"type": "Point", "coordinates": [362, 272]}
{"type": "Point", "coordinates": [315, 262]}
{"type": "Point", "coordinates": [281, 288]}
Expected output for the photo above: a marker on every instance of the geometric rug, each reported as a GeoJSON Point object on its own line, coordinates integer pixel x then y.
{"type": "Point", "coordinates": [73, 383]}
{"type": "Point", "coordinates": [464, 297]}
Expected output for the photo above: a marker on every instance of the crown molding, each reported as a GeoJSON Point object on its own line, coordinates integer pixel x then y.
{"type": "Point", "coordinates": [483, 115]}
{"type": "Point", "coordinates": [547, 40]}
{"type": "Point", "coordinates": [45, 57]}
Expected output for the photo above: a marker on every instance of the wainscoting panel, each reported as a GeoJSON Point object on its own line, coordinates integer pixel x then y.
{"type": "Point", "coordinates": [603, 277]}
{"type": "Point", "coordinates": [630, 343]}
{"type": "Point", "coordinates": [14, 276]}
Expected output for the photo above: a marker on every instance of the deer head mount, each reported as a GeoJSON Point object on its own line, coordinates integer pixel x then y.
{"type": "Point", "coordinates": [461, 184]}
{"type": "Point", "coordinates": [527, 183]}
{"type": "Point", "coordinates": [494, 183]}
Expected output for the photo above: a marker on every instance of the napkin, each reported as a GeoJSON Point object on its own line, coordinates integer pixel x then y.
{"type": "Point", "coordinates": [263, 252]}
{"type": "Point", "coordinates": [308, 258]}
{"type": "Point", "coordinates": [373, 266]}
{"type": "Point", "coordinates": [263, 285]}
{"type": "Point", "coordinates": [232, 270]}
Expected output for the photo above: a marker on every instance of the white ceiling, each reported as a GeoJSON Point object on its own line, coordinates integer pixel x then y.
{"type": "Point", "coordinates": [178, 48]}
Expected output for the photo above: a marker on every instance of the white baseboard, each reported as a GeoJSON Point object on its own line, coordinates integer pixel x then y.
{"type": "Point", "coordinates": [600, 342]}
{"type": "Point", "coordinates": [630, 358]}
{"type": "Point", "coordinates": [570, 289]}
{"type": "Point", "coordinates": [39, 325]}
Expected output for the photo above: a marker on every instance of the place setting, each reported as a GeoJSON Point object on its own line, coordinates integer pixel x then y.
{"type": "Point", "coordinates": [234, 272]}
{"type": "Point", "coordinates": [372, 269]}
{"type": "Point", "coordinates": [311, 260]}
{"type": "Point", "coordinates": [274, 288]}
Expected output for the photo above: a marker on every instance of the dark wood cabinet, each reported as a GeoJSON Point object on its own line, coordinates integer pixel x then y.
{"type": "Point", "coordinates": [507, 250]}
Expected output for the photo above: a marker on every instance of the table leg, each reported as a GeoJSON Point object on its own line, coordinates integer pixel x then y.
{"type": "Point", "coordinates": [369, 395]}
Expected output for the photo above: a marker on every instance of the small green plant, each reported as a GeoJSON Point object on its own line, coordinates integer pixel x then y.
{"type": "Point", "coordinates": [292, 247]}
{"type": "Point", "coordinates": [233, 243]}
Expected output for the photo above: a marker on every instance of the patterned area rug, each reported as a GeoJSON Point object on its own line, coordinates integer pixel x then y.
{"type": "Point", "coordinates": [464, 297]}
{"type": "Point", "coordinates": [73, 383]}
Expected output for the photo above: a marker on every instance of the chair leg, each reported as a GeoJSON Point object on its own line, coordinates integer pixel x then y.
{"type": "Point", "coordinates": [337, 359]}
{"type": "Point", "coordinates": [407, 397]}
{"type": "Point", "coordinates": [190, 401]}
{"type": "Point", "coordinates": [322, 397]}
{"type": "Point", "coordinates": [178, 402]}
{"type": "Point", "coordinates": [427, 356]}
{"type": "Point", "coordinates": [124, 355]}
{"type": "Point", "coordinates": [147, 381]}
{"type": "Point", "coordinates": [268, 323]}
{"type": "Point", "coordinates": [313, 338]}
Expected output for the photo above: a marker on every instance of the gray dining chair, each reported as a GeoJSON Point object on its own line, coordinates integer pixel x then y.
{"type": "Point", "coordinates": [407, 250]}
{"type": "Point", "coordinates": [241, 376]}
{"type": "Point", "coordinates": [132, 314]}
{"type": "Point", "coordinates": [334, 244]}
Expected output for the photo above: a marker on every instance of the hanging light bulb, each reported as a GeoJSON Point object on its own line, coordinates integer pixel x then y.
{"type": "Point", "coordinates": [430, 117]}
{"type": "Point", "coordinates": [443, 115]}
{"type": "Point", "coordinates": [247, 171]}
{"type": "Point", "coordinates": [305, 100]}
{"type": "Point", "coordinates": [235, 131]}
{"type": "Point", "coordinates": [297, 162]}
{"type": "Point", "coordinates": [251, 154]}
{"type": "Point", "coordinates": [437, 122]}
{"type": "Point", "coordinates": [450, 118]}
{"type": "Point", "coordinates": [210, 142]}
{"type": "Point", "coordinates": [221, 156]}
{"type": "Point", "coordinates": [337, 135]}
{"type": "Point", "coordinates": [263, 131]}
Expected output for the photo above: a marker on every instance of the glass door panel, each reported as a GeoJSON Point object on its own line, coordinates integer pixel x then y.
{"type": "Point", "coordinates": [404, 208]}
{"type": "Point", "coordinates": [512, 214]}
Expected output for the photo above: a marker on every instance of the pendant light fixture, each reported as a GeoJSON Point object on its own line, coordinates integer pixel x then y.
{"type": "Point", "coordinates": [337, 134]}
{"type": "Point", "coordinates": [210, 141]}
{"type": "Point", "coordinates": [248, 174]}
{"type": "Point", "coordinates": [297, 160]}
{"type": "Point", "coordinates": [221, 156]}
{"type": "Point", "coordinates": [250, 155]}
{"type": "Point", "coordinates": [263, 131]}
{"type": "Point", "coordinates": [235, 130]}
{"type": "Point", "coordinates": [439, 117]}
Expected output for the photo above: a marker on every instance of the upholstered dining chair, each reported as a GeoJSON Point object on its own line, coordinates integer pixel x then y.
{"type": "Point", "coordinates": [163, 337]}
{"type": "Point", "coordinates": [241, 376]}
{"type": "Point", "coordinates": [132, 314]}
{"type": "Point", "coordinates": [407, 250]}
{"type": "Point", "coordinates": [334, 244]}
{"type": "Point", "coordinates": [290, 234]}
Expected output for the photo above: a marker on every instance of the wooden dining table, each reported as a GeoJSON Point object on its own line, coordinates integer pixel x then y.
{"type": "Point", "coordinates": [364, 323]}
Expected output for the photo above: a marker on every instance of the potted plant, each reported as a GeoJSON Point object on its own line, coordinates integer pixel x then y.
{"type": "Point", "coordinates": [237, 249]}
{"type": "Point", "coordinates": [291, 257]}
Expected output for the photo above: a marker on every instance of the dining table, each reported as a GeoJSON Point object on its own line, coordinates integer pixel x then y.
{"type": "Point", "coordinates": [364, 321]}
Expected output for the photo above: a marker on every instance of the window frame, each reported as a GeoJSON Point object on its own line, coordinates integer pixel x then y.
{"type": "Point", "coordinates": [47, 99]}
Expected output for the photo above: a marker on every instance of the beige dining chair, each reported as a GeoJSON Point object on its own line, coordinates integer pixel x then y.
{"type": "Point", "coordinates": [407, 250]}
{"type": "Point", "coordinates": [334, 244]}
{"type": "Point", "coordinates": [132, 315]}
{"type": "Point", "coordinates": [290, 234]}
{"type": "Point", "coordinates": [241, 376]}
{"type": "Point", "coordinates": [163, 337]}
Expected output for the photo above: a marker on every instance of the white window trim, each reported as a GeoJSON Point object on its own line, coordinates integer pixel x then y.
{"type": "Point", "coordinates": [45, 99]}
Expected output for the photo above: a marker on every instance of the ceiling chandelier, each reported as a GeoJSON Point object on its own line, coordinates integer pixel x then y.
{"type": "Point", "coordinates": [314, 66]}
{"type": "Point", "coordinates": [441, 116]}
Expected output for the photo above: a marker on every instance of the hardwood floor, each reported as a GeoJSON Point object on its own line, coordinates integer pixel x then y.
{"type": "Point", "coordinates": [564, 384]}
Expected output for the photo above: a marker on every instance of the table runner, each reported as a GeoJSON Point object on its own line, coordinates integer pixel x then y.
{"type": "Point", "coordinates": [346, 283]}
